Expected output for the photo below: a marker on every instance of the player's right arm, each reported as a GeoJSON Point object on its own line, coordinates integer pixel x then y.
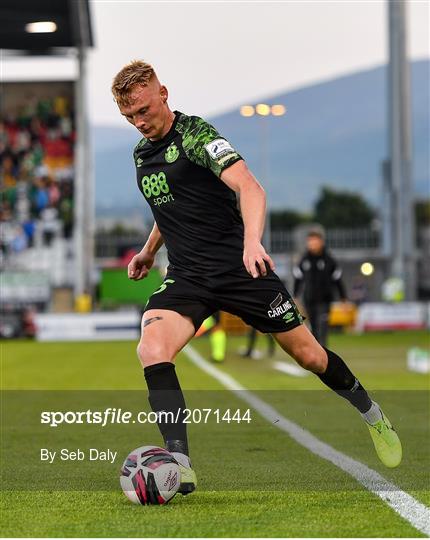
{"type": "Point", "coordinates": [141, 263]}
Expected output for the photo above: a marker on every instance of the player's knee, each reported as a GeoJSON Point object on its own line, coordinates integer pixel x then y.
{"type": "Point", "coordinates": [312, 358]}
{"type": "Point", "coordinates": [151, 352]}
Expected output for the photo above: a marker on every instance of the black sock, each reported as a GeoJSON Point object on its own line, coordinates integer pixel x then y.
{"type": "Point", "coordinates": [339, 378]}
{"type": "Point", "coordinates": [165, 394]}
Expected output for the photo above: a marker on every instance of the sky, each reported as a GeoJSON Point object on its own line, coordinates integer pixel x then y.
{"type": "Point", "coordinates": [214, 56]}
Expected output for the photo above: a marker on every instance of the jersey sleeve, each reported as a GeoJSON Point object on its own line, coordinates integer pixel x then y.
{"type": "Point", "coordinates": [219, 154]}
{"type": "Point", "coordinates": [205, 146]}
{"type": "Point", "coordinates": [137, 148]}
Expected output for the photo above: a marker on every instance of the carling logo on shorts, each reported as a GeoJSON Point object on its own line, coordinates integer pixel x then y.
{"type": "Point", "coordinates": [279, 309]}
{"type": "Point", "coordinates": [276, 302]}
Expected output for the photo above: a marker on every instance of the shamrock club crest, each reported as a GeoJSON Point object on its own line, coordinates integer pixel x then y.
{"type": "Point", "coordinates": [172, 153]}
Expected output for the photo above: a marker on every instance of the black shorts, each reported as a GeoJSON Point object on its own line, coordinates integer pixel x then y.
{"type": "Point", "coordinates": [263, 302]}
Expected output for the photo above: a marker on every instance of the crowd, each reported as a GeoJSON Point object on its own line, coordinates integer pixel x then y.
{"type": "Point", "coordinates": [36, 172]}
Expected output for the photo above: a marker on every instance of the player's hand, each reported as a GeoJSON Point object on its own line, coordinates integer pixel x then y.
{"type": "Point", "coordinates": [255, 258]}
{"type": "Point", "coordinates": [139, 266]}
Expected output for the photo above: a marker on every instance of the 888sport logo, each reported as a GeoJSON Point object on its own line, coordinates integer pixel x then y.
{"type": "Point", "coordinates": [156, 186]}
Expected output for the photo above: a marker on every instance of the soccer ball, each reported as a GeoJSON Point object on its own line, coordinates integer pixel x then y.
{"type": "Point", "coordinates": [150, 475]}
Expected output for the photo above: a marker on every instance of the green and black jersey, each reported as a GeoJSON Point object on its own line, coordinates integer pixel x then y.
{"type": "Point", "coordinates": [195, 211]}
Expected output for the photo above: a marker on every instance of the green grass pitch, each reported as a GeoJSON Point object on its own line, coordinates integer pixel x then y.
{"type": "Point", "coordinates": [254, 481]}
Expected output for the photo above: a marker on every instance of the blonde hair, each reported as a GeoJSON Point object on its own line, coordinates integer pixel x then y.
{"type": "Point", "coordinates": [136, 72]}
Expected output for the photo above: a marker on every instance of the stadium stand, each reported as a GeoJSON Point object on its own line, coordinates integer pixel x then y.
{"type": "Point", "coordinates": [36, 163]}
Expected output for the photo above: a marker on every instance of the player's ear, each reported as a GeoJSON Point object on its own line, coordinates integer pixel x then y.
{"type": "Point", "coordinates": [164, 94]}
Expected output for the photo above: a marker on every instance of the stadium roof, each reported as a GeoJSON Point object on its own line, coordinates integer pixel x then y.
{"type": "Point", "coordinates": [71, 17]}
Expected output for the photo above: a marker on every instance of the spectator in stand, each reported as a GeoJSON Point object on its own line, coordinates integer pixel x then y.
{"type": "Point", "coordinates": [5, 218]}
{"type": "Point", "coordinates": [22, 142]}
{"type": "Point", "coordinates": [49, 224]}
{"type": "Point", "coordinates": [19, 241]}
{"type": "Point", "coordinates": [41, 196]}
{"type": "Point", "coordinates": [9, 171]}
{"type": "Point", "coordinates": [66, 210]}
{"type": "Point", "coordinates": [5, 211]}
{"type": "Point", "coordinates": [9, 195]}
{"type": "Point", "coordinates": [29, 228]}
{"type": "Point", "coordinates": [53, 192]}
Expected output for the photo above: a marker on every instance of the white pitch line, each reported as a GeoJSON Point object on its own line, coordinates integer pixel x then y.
{"type": "Point", "coordinates": [416, 513]}
{"type": "Point", "coordinates": [290, 369]}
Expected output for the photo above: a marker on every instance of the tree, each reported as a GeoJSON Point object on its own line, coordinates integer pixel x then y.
{"type": "Point", "coordinates": [422, 213]}
{"type": "Point", "coordinates": [281, 220]}
{"type": "Point", "coordinates": [337, 209]}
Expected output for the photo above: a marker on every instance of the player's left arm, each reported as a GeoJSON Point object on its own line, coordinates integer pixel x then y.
{"type": "Point", "coordinates": [336, 277]}
{"type": "Point", "coordinates": [253, 208]}
{"type": "Point", "coordinates": [298, 278]}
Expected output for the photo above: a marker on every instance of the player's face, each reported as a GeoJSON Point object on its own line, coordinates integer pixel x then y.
{"type": "Point", "coordinates": [148, 110]}
{"type": "Point", "coordinates": [315, 244]}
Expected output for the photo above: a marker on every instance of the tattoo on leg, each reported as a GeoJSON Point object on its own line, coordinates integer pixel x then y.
{"type": "Point", "coordinates": [151, 320]}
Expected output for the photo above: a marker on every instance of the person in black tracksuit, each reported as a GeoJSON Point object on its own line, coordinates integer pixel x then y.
{"type": "Point", "coordinates": [318, 274]}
